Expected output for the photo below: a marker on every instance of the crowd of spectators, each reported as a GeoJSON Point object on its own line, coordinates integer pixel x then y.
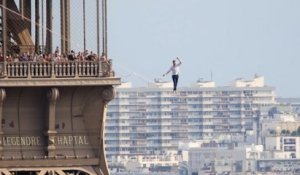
{"type": "Point", "coordinates": [57, 56]}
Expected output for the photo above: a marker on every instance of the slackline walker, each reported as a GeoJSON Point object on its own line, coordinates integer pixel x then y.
{"type": "Point", "coordinates": [175, 73]}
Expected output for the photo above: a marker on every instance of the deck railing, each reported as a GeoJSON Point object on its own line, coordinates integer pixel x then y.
{"type": "Point", "coordinates": [68, 69]}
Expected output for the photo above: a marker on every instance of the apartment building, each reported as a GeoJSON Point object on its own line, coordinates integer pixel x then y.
{"type": "Point", "coordinates": [211, 157]}
{"type": "Point", "coordinates": [152, 120]}
{"type": "Point", "coordinates": [283, 147]}
{"type": "Point", "coordinates": [282, 155]}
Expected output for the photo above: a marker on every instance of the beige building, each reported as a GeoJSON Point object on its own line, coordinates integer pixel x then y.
{"type": "Point", "coordinates": [280, 124]}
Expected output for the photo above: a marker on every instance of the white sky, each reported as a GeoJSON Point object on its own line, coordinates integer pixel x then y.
{"type": "Point", "coordinates": [226, 38]}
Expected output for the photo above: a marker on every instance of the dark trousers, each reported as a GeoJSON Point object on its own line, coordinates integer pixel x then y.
{"type": "Point", "coordinates": [175, 81]}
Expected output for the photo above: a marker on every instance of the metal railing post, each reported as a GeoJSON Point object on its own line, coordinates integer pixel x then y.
{"type": "Point", "coordinates": [4, 68]}
{"type": "Point", "coordinates": [76, 69]}
{"type": "Point", "coordinates": [111, 73]}
{"type": "Point", "coordinates": [99, 67]}
{"type": "Point", "coordinates": [52, 69]}
{"type": "Point", "coordinates": [29, 70]}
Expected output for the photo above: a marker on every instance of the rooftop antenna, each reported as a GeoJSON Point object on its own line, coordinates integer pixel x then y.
{"type": "Point", "coordinates": [211, 76]}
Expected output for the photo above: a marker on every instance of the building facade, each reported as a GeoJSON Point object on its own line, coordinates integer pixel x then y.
{"type": "Point", "coordinates": [152, 120]}
{"type": "Point", "coordinates": [215, 158]}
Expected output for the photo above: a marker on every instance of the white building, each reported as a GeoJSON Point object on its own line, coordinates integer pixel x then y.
{"type": "Point", "coordinates": [283, 147]}
{"type": "Point", "coordinates": [212, 157]}
{"type": "Point", "coordinates": [152, 120]}
{"type": "Point", "coordinates": [258, 81]}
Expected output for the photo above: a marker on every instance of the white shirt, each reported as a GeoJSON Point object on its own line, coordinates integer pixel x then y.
{"type": "Point", "coordinates": [175, 69]}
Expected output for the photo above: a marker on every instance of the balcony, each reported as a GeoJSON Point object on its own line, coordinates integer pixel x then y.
{"type": "Point", "coordinates": [290, 141]}
{"type": "Point", "coordinates": [45, 73]}
{"type": "Point", "coordinates": [289, 148]}
{"type": "Point", "coordinates": [194, 130]}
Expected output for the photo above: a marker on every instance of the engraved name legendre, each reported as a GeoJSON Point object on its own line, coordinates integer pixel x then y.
{"type": "Point", "coordinates": [67, 140]}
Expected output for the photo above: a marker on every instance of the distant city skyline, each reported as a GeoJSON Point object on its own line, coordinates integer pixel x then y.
{"type": "Point", "coordinates": [222, 40]}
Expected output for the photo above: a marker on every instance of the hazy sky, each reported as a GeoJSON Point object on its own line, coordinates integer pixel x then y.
{"type": "Point", "coordinates": [227, 39]}
{"type": "Point", "coordinates": [230, 38]}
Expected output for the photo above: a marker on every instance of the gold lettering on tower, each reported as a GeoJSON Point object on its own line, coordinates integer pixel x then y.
{"type": "Point", "coordinates": [71, 140]}
{"type": "Point", "coordinates": [21, 141]}
{"type": "Point", "coordinates": [37, 140]}
{"type": "Point", "coordinates": [59, 140]}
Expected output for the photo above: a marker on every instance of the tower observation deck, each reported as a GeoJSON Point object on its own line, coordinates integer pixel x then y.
{"type": "Point", "coordinates": [52, 103]}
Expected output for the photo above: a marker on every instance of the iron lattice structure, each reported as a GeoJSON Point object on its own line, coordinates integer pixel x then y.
{"type": "Point", "coordinates": [52, 105]}
{"type": "Point", "coordinates": [28, 27]}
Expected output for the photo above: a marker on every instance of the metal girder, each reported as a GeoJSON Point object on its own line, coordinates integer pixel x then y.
{"type": "Point", "coordinates": [65, 25]}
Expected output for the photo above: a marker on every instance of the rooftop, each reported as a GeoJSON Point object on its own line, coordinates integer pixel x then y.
{"type": "Point", "coordinates": [257, 81]}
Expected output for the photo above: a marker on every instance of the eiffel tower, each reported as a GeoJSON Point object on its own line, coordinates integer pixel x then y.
{"type": "Point", "coordinates": [52, 113]}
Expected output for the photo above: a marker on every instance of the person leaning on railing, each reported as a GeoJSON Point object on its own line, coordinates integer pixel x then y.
{"type": "Point", "coordinates": [103, 57]}
{"type": "Point", "coordinates": [80, 56]}
{"type": "Point", "coordinates": [24, 57]}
